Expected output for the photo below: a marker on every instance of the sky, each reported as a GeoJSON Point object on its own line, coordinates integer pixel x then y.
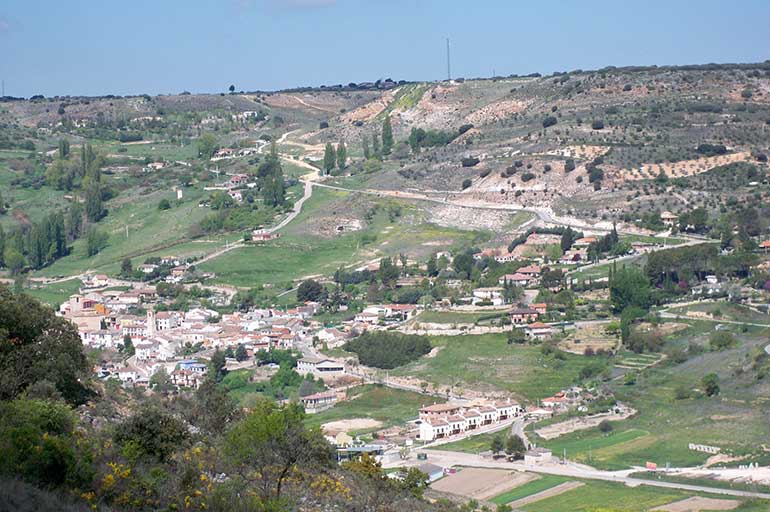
{"type": "Point", "coordinates": [98, 47]}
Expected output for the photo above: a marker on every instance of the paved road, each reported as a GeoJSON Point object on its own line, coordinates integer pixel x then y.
{"type": "Point", "coordinates": [448, 459]}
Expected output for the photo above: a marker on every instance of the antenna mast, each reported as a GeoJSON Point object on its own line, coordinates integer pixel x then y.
{"type": "Point", "coordinates": [448, 66]}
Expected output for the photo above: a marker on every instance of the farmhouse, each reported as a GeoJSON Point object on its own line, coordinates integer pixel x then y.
{"type": "Point", "coordinates": [518, 279]}
{"type": "Point", "coordinates": [523, 316]}
{"type": "Point", "coordinates": [318, 402]}
{"type": "Point", "coordinates": [668, 218]}
{"type": "Point", "coordinates": [261, 235]}
{"type": "Point", "coordinates": [320, 367]}
{"type": "Point", "coordinates": [538, 330]}
{"type": "Point", "coordinates": [491, 295]}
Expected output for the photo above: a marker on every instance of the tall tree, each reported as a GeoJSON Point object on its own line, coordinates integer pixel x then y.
{"type": "Point", "coordinates": [75, 221]}
{"type": "Point", "coordinates": [270, 180]}
{"type": "Point", "coordinates": [376, 144]}
{"type": "Point", "coordinates": [35, 344]}
{"type": "Point", "coordinates": [387, 136]}
{"type": "Point", "coordinates": [342, 156]}
{"type": "Point", "coordinates": [64, 149]}
{"type": "Point", "coordinates": [94, 210]}
{"type": "Point", "coordinates": [366, 149]}
{"type": "Point", "coordinates": [330, 158]}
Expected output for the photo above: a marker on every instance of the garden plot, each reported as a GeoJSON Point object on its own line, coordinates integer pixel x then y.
{"type": "Point", "coordinates": [638, 362]}
{"type": "Point", "coordinates": [698, 504]}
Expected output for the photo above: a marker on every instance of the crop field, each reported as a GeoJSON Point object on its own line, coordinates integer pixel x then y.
{"type": "Point", "coordinates": [597, 495]}
{"type": "Point", "coordinates": [487, 362]}
{"type": "Point", "coordinates": [588, 447]}
{"type": "Point", "coordinates": [543, 483]}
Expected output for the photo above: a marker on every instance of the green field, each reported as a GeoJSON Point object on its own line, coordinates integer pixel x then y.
{"type": "Point", "coordinates": [136, 228]}
{"type": "Point", "coordinates": [54, 293]}
{"type": "Point", "coordinates": [598, 449]}
{"type": "Point", "coordinates": [543, 483]}
{"type": "Point", "coordinates": [299, 252]}
{"type": "Point", "coordinates": [473, 444]}
{"type": "Point", "coordinates": [389, 406]}
{"type": "Point", "coordinates": [487, 362]}
{"type": "Point", "coordinates": [597, 495]}
{"type": "Point", "coordinates": [664, 426]}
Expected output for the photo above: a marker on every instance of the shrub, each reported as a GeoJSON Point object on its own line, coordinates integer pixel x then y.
{"type": "Point", "coordinates": [469, 161]}
{"type": "Point", "coordinates": [527, 176]}
{"type": "Point", "coordinates": [597, 124]}
{"type": "Point", "coordinates": [721, 340]}
{"type": "Point", "coordinates": [549, 121]}
{"type": "Point", "coordinates": [569, 165]}
{"type": "Point", "coordinates": [464, 128]}
{"type": "Point", "coordinates": [466, 183]}
{"type": "Point", "coordinates": [605, 427]}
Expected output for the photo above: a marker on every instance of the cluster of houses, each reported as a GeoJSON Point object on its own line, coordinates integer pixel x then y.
{"type": "Point", "coordinates": [108, 319]}
{"type": "Point", "coordinates": [444, 420]}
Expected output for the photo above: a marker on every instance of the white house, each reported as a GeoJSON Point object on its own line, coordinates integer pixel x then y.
{"type": "Point", "coordinates": [320, 367]}
{"type": "Point", "coordinates": [493, 295]}
{"type": "Point", "coordinates": [441, 420]}
{"type": "Point", "coordinates": [537, 456]}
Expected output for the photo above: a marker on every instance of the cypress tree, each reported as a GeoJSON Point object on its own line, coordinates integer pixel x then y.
{"type": "Point", "coordinates": [387, 136]}
{"type": "Point", "coordinates": [365, 144]}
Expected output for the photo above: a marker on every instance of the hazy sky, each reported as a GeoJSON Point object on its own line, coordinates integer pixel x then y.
{"type": "Point", "coordinates": [166, 46]}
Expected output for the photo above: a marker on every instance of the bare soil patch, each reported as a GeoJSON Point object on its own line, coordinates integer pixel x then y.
{"type": "Point", "coordinates": [479, 483]}
{"type": "Point", "coordinates": [697, 504]}
{"type": "Point", "coordinates": [565, 427]}
{"type": "Point", "coordinates": [588, 336]}
{"type": "Point", "coordinates": [335, 427]}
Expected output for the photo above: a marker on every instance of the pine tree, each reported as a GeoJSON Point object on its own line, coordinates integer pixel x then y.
{"type": "Point", "coordinates": [365, 144]}
{"type": "Point", "coordinates": [330, 158]}
{"type": "Point", "coordinates": [342, 156]}
{"type": "Point", "coordinates": [387, 136]}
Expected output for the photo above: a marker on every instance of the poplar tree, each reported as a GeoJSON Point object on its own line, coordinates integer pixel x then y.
{"type": "Point", "coordinates": [376, 144]}
{"type": "Point", "coordinates": [342, 156]}
{"type": "Point", "coordinates": [330, 158]}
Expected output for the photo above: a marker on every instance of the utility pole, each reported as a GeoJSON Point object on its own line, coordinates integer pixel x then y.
{"type": "Point", "coordinates": [448, 62]}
